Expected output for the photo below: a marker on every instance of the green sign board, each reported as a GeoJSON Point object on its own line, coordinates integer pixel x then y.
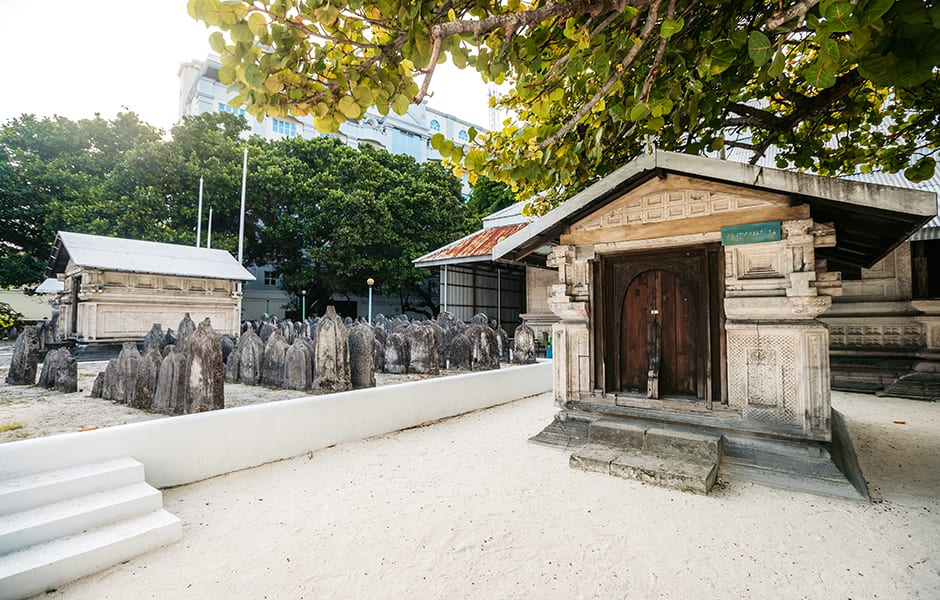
{"type": "Point", "coordinates": [752, 233]}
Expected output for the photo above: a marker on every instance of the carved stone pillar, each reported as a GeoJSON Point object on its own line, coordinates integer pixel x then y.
{"type": "Point", "coordinates": [778, 352]}
{"type": "Point", "coordinates": [571, 343]}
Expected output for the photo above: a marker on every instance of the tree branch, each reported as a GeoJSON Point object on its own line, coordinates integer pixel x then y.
{"type": "Point", "coordinates": [429, 73]}
{"type": "Point", "coordinates": [797, 11]}
{"type": "Point", "coordinates": [626, 62]}
{"type": "Point", "coordinates": [658, 58]}
{"type": "Point", "coordinates": [516, 21]}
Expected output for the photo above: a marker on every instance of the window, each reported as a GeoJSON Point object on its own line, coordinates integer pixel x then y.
{"type": "Point", "coordinates": [270, 278]}
{"type": "Point", "coordinates": [284, 127]}
{"type": "Point", "coordinates": [223, 107]}
{"type": "Point", "coordinates": [404, 142]}
{"type": "Point", "coordinates": [434, 125]}
{"type": "Point", "coordinates": [462, 136]}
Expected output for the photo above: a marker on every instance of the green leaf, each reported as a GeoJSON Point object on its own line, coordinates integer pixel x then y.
{"type": "Point", "coordinates": [400, 103]}
{"type": "Point", "coordinates": [363, 95]}
{"type": "Point", "coordinates": [922, 170]}
{"type": "Point", "coordinates": [873, 10]}
{"type": "Point", "coordinates": [640, 111]}
{"type": "Point", "coordinates": [460, 57]}
{"type": "Point", "coordinates": [217, 42]}
{"type": "Point", "coordinates": [257, 24]}
{"type": "Point", "coordinates": [208, 11]}
{"type": "Point", "coordinates": [671, 27]}
{"type": "Point", "coordinates": [423, 46]}
{"type": "Point", "coordinates": [436, 140]}
{"type": "Point", "coordinates": [254, 76]}
{"type": "Point", "coordinates": [821, 74]}
{"type": "Point", "coordinates": [347, 105]}
{"type": "Point", "coordinates": [759, 48]}
{"type": "Point", "coordinates": [241, 33]}
{"type": "Point", "coordinates": [829, 50]}
{"type": "Point", "coordinates": [839, 17]}
{"type": "Point", "coordinates": [273, 84]}
{"type": "Point", "coordinates": [776, 67]}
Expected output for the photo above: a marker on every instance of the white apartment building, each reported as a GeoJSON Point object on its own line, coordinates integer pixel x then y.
{"type": "Point", "coordinates": [201, 92]}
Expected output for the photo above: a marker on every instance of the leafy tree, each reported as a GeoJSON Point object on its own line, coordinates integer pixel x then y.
{"type": "Point", "coordinates": [52, 173]}
{"type": "Point", "coordinates": [489, 196]}
{"type": "Point", "coordinates": [833, 85]}
{"type": "Point", "coordinates": [330, 217]}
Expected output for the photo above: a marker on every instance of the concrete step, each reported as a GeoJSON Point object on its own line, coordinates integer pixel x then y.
{"type": "Point", "coordinates": [655, 439]}
{"type": "Point", "coordinates": [82, 513]}
{"type": "Point", "coordinates": [29, 491]}
{"type": "Point", "coordinates": [43, 567]}
{"type": "Point", "coordinates": [685, 474]}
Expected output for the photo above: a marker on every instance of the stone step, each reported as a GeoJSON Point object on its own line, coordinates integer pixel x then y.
{"type": "Point", "coordinates": [685, 474]}
{"type": "Point", "coordinates": [82, 513]}
{"type": "Point", "coordinates": [47, 487]}
{"type": "Point", "coordinates": [44, 567]}
{"type": "Point", "coordinates": [656, 439]}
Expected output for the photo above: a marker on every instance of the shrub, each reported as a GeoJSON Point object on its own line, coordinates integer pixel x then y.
{"type": "Point", "coordinates": [9, 319]}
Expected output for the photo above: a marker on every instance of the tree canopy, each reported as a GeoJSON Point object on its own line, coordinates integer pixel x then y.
{"type": "Point", "coordinates": [327, 216]}
{"type": "Point", "coordinates": [330, 217]}
{"type": "Point", "coordinates": [834, 86]}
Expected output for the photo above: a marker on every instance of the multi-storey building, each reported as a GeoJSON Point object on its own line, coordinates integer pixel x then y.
{"type": "Point", "coordinates": [202, 92]}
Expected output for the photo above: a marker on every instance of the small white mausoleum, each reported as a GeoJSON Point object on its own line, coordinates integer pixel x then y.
{"type": "Point", "coordinates": [115, 289]}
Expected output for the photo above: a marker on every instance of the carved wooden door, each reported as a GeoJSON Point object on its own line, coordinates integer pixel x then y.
{"type": "Point", "coordinates": [660, 336]}
{"type": "Point", "coordinates": [659, 330]}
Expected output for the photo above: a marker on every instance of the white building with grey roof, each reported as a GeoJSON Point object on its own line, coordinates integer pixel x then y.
{"type": "Point", "coordinates": [115, 289]}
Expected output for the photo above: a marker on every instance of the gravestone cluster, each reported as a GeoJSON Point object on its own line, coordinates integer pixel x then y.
{"type": "Point", "coordinates": [331, 354]}
{"type": "Point", "coordinates": [184, 371]}
{"type": "Point", "coordinates": [177, 374]}
{"type": "Point", "coordinates": [426, 347]}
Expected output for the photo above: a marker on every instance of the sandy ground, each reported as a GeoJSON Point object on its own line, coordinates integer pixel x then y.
{"type": "Point", "coordinates": [29, 411]}
{"type": "Point", "coordinates": [466, 508]}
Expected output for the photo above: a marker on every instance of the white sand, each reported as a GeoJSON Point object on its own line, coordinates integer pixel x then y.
{"type": "Point", "coordinates": [466, 508]}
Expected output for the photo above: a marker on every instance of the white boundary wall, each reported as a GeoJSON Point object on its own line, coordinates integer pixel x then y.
{"type": "Point", "coordinates": [188, 448]}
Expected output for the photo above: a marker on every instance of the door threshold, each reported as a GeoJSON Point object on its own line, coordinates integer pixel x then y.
{"type": "Point", "coordinates": [682, 404]}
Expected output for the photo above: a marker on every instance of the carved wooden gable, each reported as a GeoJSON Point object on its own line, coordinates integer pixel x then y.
{"type": "Point", "coordinates": [704, 204]}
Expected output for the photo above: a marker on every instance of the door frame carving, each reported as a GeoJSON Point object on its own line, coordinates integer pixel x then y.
{"type": "Point", "coordinates": [614, 272]}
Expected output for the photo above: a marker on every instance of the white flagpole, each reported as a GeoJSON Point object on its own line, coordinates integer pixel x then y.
{"type": "Point", "coordinates": [199, 219]}
{"type": "Point", "coordinates": [241, 222]}
{"type": "Point", "coordinates": [209, 233]}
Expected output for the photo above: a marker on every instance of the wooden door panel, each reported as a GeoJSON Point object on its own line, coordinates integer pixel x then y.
{"type": "Point", "coordinates": [675, 288]}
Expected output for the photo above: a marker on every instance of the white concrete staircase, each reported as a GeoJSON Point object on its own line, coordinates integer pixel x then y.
{"type": "Point", "coordinates": [58, 526]}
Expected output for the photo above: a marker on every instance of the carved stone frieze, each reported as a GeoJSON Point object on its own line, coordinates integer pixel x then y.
{"type": "Point", "coordinates": [669, 205]}
{"type": "Point", "coordinates": [867, 333]}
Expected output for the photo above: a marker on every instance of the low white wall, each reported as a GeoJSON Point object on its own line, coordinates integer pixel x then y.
{"type": "Point", "coordinates": [188, 448]}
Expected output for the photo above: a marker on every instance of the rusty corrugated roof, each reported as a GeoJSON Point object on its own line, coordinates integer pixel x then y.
{"type": "Point", "coordinates": [474, 246]}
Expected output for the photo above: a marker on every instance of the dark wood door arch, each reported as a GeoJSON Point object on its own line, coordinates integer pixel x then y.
{"type": "Point", "coordinates": [660, 337]}
{"type": "Point", "coordinates": [685, 287]}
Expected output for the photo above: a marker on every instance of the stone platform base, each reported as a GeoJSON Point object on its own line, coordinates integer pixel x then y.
{"type": "Point", "coordinates": [826, 468]}
{"type": "Point", "coordinates": [670, 457]}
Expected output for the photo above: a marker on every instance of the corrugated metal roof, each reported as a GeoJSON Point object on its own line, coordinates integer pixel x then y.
{"type": "Point", "coordinates": [876, 177]}
{"type": "Point", "coordinates": [471, 248]}
{"type": "Point", "coordinates": [137, 256]}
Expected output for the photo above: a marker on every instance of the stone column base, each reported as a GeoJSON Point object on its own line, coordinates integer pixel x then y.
{"type": "Point", "coordinates": [778, 375]}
